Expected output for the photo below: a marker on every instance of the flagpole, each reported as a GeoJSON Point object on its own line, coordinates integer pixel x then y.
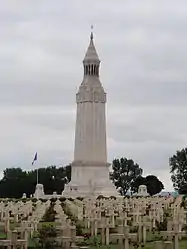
{"type": "Point", "coordinates": [37, 176]}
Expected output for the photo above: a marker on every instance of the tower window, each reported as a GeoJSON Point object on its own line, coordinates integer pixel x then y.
{"type": "Point", "coordinates": [91, 70]}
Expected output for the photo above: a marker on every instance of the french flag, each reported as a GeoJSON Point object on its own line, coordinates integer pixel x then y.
{"type": "Point", "coordinates": [35, 158]}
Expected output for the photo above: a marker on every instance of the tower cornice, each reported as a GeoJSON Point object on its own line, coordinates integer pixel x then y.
{"type": "Point", "coordinates": [91, 96]}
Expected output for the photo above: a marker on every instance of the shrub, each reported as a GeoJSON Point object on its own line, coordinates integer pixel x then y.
{"type": "Point", "coordinates": [80, 198]}
{"type": "Point", "coordinates": [62, 199]}
{"type": "Point", "coordinates": [70, 199]}
{"type": "Point", "coordinates": [46, 236]}
{"type": "Point", "coordinates": [75, 221]}
{"type": "Point", "coordinates": [113, 197]}
{"type": "Point", "coordinates": [50, 214]}
{"type": "Point", "coordinates": [53, 200]}
{"type": "Point", "coordinates": [100, 197]}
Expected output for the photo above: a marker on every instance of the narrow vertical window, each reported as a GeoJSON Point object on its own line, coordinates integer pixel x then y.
{"type": "Point", "coordinates": [94, 70]}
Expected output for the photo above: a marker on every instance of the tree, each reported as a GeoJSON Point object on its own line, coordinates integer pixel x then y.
{"type": "Point", "coordinates": [16, 181]}
{"type": "Point", "coordinates": [67, 174]}
{"type": "Point", "coordinates": [13, 182]}
{"type": "Point", "coordinates": [140, 180]}
{"type": "Point", "coordinates": [154, 185]}
{"type": "Point", "coordinates": [178, 170]}
{"type": "Point", "coordinates": [124, 173]}
{"type": "Point", "coordinates": [183, 190]}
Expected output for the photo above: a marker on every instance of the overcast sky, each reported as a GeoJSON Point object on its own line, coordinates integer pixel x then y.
{"type": "Point", "coordinates": [142, 46]}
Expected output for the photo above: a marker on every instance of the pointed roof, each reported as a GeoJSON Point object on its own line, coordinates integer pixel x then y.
{"type": "Point", "coordinates": [91, 54]}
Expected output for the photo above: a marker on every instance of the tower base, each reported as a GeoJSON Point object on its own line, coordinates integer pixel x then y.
{"type": "Point", "coordinates": [90, 181]}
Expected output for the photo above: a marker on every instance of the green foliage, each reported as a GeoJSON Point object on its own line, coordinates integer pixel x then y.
{"type": "Point", "coordinates": [46, 237]}
{"type": "Point", "coordinates": [140, 180]}
{"type": "Point", "coordinates": [113, 197]}
{"type": "Point", "coordinates": [124, 173]}
{"type": "Point", "coordinates": [53, 200]}
{"type": "Point", "coordinates": [91, 241]}
{"type": "Point", "coordinates": [94, 241]}
{"type": "Point", "coordinates": [184, 203]}
{"type": "Point", "coordinates": [50, 214]}
{"type": "Point", "coordinates": [162, 226]}
{"type": "Point", "coordinates": [79, 228]}
{"type": "Point", "coordinates": [74, 219]}
{"type": "Point", "coordinates": [53, 179]}
{"type": "Point", "coordinates": [183, 190]}
{"type": "Point", "coordinates": [43, 200]}
{"type": "Point", "coordinates": [62, 199]}
{"type": "Point", "coordinates": [80, 198]}
{"type": "Point", "coordinates": [70, 199]}
{"type": "Point", "coordinates": [178, 170]}
{"type": "Point", "coordinates": [154, 185]}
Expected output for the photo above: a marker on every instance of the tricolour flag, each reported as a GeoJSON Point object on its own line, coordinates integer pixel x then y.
{"type": "Point", "coordinates": [35, 158]}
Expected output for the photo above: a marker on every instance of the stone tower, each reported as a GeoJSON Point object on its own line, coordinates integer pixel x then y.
{"type": "Point", "coordinates": [90, 169]}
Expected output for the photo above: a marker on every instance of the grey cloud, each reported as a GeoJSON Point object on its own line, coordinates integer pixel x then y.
{"type": "Point", "coordinates": [148, 135]}
{"type": "Point", "coordinates": [142, 48]}
{"type": "Point", "coordinates": [150, 156]}
{"type": "Point", "coordinates": [143, 93]}
{"type": "Point", "coordinates": [58, 122]}
{"type": "Point", "coordinates": [148, 124]}
{"type": "Point", "coordinates": [138, 134]}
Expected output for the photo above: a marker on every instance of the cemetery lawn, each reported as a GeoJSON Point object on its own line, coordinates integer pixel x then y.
{"type": "Point", "coordinates": [2, 235]}
{"type": "Point", "coordinates": [183, 245]}
{"type": "Point", "coordinates": [44, 223]}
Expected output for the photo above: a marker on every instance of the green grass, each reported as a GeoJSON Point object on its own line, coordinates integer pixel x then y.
{"type": "Point", "coordinates": [104, 247]}
{"type": "Point", "coordinates": [31, 243]}
{"type": "Point", "coordinates": [40, 224]}
{"type": "Point", "coordinates": [2, 235]}
{"type": "Point", "coordinates": [183, 245]}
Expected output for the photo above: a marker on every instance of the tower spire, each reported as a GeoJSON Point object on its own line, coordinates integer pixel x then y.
{"type": "Point", "coordinates": [91, 35]}
{"type": "Point", "coordinates": [91, 60]}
